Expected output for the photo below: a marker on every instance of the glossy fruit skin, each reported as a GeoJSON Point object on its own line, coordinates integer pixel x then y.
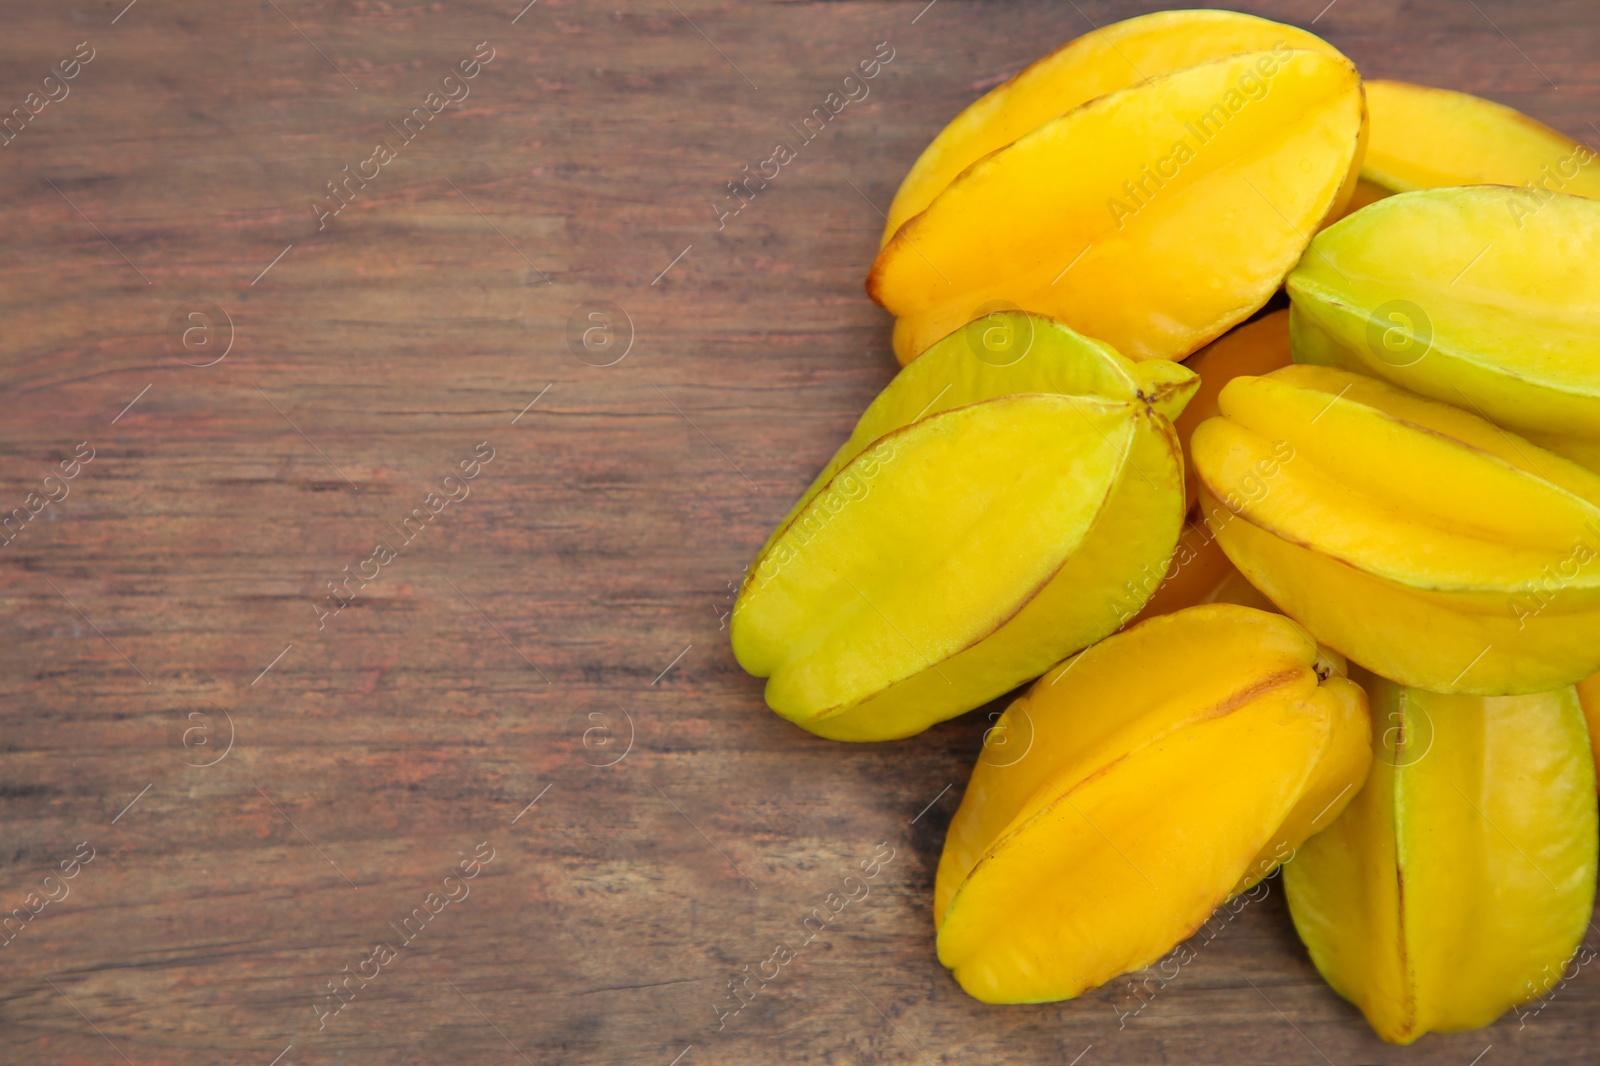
{"type": "Point", "coordinates": [1199, 573]}
{"type": "Point", "coordinates": [1237, 162]}
{"type": "Point", "coordinates": [1427, 138]}
{"type": "Point", "coordinates": [1112, 57]}
{"type": "Point", "coordinates": [1415, 538]}
{"type": "Point", "coordinates": [1001, 354]}
{"type": "Point", "coordinates": [1482, 297]}
{"type": "Point", "coordinates": [1589, 698]}
{"type": "Point", "coordinates": [1461, 879]}
{"type": "Point", "coordinates": [1367, 192]}
{"type": "Point", "coordinates": [1130, 801]}
{"type": "Point", "coordinates": [1257, 347]}
{"type": "Point", "coordinates": [1197, 568]}
{"type": "Point", "coordinates": [961, 552]}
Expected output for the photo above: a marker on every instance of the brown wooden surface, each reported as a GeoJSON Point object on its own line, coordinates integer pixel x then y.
{"type": "Point", "coordinates": [579, 589]}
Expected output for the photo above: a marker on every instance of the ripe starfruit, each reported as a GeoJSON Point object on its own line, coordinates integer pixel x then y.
{"type": "Point", "coordinates": [1589, 697]}
{"type": "Point", "coordinates": [1199, 572]}
{"type": "Point", "coordinates": [1131, 801]}
{"type": "Point", "coordinates": [1112, 57]}
{"type": "Point", "coordinates": [1484, 297]}
{"type": "Point", "coordinates": [1462, 877]}
{"type": "Point", "coordinates": [1153, 218]}
{"type": "Point", "coordinates": [1411, 536]}
{"type": "Point", "coordinates": [981, 523]}
{"type": "Point", "coordinates": [1427, 138]}
{"type": "Point", "coordinates": [1255, 348]}
{"type": "Point", "coordinates": [1367, 192]}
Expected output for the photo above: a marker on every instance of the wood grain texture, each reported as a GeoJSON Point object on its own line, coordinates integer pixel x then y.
{"type": "Point", "coordinates": [575, 600]}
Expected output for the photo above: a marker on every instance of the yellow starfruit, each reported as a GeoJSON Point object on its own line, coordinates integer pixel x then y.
{"type": "Point", "coordinates": [1461, 879]}
{"type": "Point", "coordinates": [1112, 57]}
{"type": "Point", "coordinates": [989, 516]}
{"type": "Point", "coordinates": [1153, 218]}
{"type": "Point", "coordinates": [1427, 138]}
{"type": "Point", "coordinates": [1413, 537]}
{"type": "Point", "coordinates": [1255, 348]}
{"type": "Point", "coordinates": [1483, 297]}
{"type": "Point", "coordinates": [1167, 768]}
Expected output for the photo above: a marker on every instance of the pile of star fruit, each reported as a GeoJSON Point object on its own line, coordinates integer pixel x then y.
{"type": "Point", "coordinates": [1317, 588]}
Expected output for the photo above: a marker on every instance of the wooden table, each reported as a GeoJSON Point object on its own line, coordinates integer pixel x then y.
{"type": "Point", "coordinates": [539, 669]}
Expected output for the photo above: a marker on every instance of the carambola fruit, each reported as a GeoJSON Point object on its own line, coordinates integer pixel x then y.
{"type": "Point", "coordinates": [1111, 58]}
{"type": "Point", "coordinates": [1153, 218]}
{"type": "Point", "coordinates": [1255, 348]}
{"type": "Point", "coordinates": [1462, 877]}
{"type": "Point", "coordinates": [983, 521]}
{"type": "Point", "coordinates": [1197, 567]}
{"type": "Point", "coordinates": [1589, 697]}
{"type": "Point", "coordinates": [1199, 572]}
{"type": "Point", "coordinates": [1487, 298]}
{"type": "Point", "coordinates": [1413, 537]}
{"type": "Point", "coordinates": [1367, 192]}
{"type": "Point", "coordinates": [1427, 138]}
{"type": "Point", "coordinates": [1168, 768]}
